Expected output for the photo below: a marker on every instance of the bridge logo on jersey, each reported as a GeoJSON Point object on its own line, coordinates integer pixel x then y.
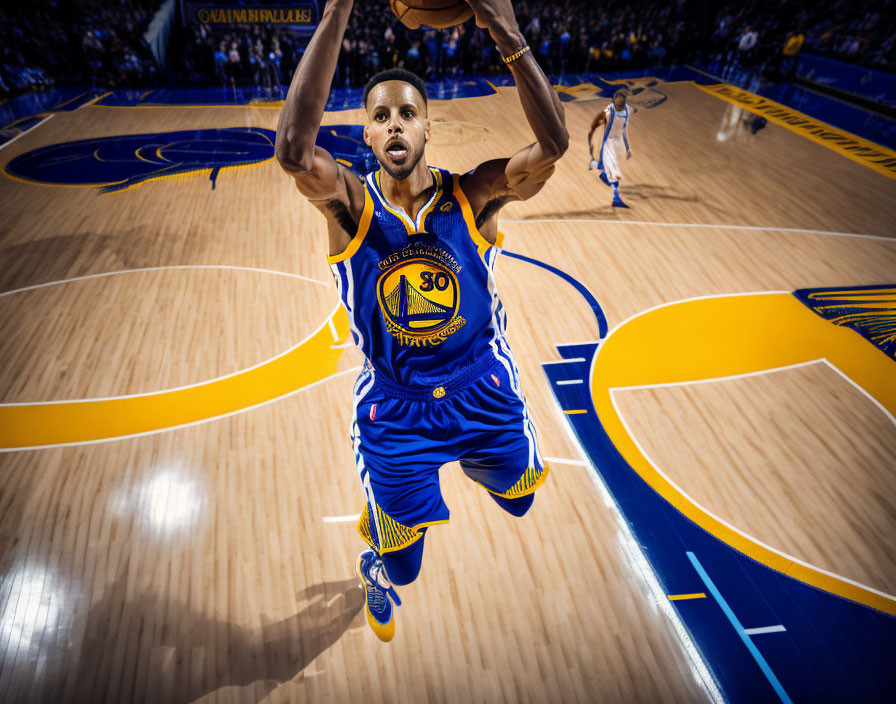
{"type": "Point", "coordinates": [419, 296]}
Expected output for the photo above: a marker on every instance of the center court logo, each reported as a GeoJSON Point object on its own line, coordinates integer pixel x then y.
{"type": "Point", "coordinates": [419, 296]}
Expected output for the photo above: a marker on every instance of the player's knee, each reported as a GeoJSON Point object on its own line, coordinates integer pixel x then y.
{"type": "Point", "coordinates": [403, 566]}
{"type": "Point", "coordinates": [515, 507]}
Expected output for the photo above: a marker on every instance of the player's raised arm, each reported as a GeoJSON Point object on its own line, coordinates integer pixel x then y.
{"type": "Point", "coordinates": [523, 175]}
{"type": "Point", "coordinates": [317, 174]}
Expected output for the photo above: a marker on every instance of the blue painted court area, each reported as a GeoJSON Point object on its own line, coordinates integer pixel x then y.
{"type": "Point", "coordinates": [764, 636]}
{"type": "Point", "coordinates": [119, 162]}
{"type": "Point", "coordinates": [852, 118]}
{"type": "Point", "coordinates": [871, 126]}
{"type": "Point", "coordinates": [339, 99]}
{"type": "Point", "coordinates": [52, 100]}
{"type": "Point", "coordinates": [828, 649]}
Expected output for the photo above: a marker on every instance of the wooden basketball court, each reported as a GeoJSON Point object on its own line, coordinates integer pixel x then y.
{"type": "Point", "coordinates": [213, 562]}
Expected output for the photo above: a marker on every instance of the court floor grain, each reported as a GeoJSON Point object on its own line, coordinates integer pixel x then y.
{"type": "Point", "coordinates": [214, 561]}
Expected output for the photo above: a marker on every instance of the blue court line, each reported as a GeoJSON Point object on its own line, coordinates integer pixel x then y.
{"type": "Point", "coordinates": [754, 651]}
{"type": "Point", "coordinates": [588, 296]}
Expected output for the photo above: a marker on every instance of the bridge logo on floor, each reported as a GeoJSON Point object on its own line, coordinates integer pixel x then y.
{"type": "Point", "coordinates": [117, 163]}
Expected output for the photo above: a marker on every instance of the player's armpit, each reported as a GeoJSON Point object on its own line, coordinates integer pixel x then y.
{"type": "Point", "coordinates": [484, 183]}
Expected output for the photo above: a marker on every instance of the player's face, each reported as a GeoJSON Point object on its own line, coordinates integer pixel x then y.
{"type": "Point", "coordinates": [619, 101]}
{"type": "Point", "coordinates": [398, 128]}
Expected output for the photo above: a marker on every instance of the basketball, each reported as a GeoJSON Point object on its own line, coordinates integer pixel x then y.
{"type": "Point", "coordinates": [431, 13]}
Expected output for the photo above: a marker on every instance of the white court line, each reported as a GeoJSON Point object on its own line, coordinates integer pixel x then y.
{"type": "Point", "coordinates": [634, 554]}
{"type": "Point", "coordinates": [165, 268]}
{"type": "Point", "coordinates": [873, 400]}
{"type": "Point", "coordinates": [765, 629]}
{"type": "Point", "coordinates": [567, 361]}
{"type": "Point", "coordinates": [560, 460]}
{"type": "Point", "coordinates": [566, 382]}
{"type": "Point", "coordinates": [179, 388]}
{"type": "Point", "coordinates": [828, 233]}
{"type": "Point", "coordinates": [183, 425]}
{"type": "Point", "coordinates": [30, 129]}
{"type": "Point", "coordinates": [716, 378]}
{"type": "Point", "coordinates": [342, 519]}
{"type": "Point", "coordinates": [333, 329]}
{"type": "Point", "coordinates": [706, 511]}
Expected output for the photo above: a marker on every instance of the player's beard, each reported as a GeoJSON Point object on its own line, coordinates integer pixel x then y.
{"type": "Point", "coordinates": [400, 171]}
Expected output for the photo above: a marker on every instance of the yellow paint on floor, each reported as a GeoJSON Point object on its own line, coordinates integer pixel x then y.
{"type": "Point", "coordinates": [724, 336]}
{"type": "Point", "coordinates": [682, 597]}
{"type": "Point", "coordinates": [863, 151]}
{"type": "Point", "coordinates": [55, 423]}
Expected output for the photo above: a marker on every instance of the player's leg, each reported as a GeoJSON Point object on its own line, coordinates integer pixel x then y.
{"type": "Point", "coordinates": [614, 173]}
{"type": "Point", "coordinates": [403, 566]}
{"type": "Point", "coordinates": [515, 507]}
{"type": "Point", "coordinates": [398, 467]}
{"type": "Point", "coordinates": [502, 453]}
{"type": "Point", "coordinates": [601, 165]}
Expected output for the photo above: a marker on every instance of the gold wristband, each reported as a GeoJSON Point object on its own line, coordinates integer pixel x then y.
{"type": "Point", "coordinates": [513, 57]}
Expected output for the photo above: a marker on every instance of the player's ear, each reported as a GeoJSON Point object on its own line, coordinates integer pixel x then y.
{"type": "Point", "coordinates": [426, 130]}
{"type": "Point", "coordinates": [367, 136]}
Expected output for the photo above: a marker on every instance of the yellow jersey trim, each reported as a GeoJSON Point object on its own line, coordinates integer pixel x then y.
{"type": "Point", "coordinates": [355, 244]}
{"type": "Point", "coordinates": [479, 240]}
{"type": "Point", "coordinates": [396, 535]}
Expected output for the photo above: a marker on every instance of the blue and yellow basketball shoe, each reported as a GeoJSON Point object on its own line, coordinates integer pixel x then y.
{"type": "Point", "coordinates": [378, 604]}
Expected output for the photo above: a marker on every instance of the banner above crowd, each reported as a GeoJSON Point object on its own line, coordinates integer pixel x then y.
{"type": "Point", "coordinates": [302, 16]}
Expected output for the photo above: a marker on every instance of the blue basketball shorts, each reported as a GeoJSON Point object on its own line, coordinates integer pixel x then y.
{"type": "Point", "coordinates": [402, 436]}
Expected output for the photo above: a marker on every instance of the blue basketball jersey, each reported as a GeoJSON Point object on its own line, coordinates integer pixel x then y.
{"type": "Point", "coordinates": [421, 294]}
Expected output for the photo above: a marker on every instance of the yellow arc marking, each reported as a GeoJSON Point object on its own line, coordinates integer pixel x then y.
{"type": "Point", "coordinates": [681, 597]}
{"type": "Point", "coordinates": [56, 423]}
{"type": "Point", "coordinates": [727, 336]}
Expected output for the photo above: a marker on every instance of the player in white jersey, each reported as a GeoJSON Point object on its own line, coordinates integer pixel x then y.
{"type": "Point", "coordinates": [615, 116]}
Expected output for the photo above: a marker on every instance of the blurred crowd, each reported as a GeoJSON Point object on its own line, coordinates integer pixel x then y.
{"type": "Point", "coordinates": [569, 36]}
{"type": "Point", "coordinates": [100, 42]}
{"type": "Point", "coordinates": [81, 42]}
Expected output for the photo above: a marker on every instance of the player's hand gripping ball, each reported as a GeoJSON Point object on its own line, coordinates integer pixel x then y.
{"type": "Point", "coordinates": [431, 13]}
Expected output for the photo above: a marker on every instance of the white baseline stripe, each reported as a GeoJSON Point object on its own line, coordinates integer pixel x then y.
{"type": "Point", "coordinates": [608, 221]}
{"type": "Point", "coordinates": [640, 566]}
{"type": "Point", "coordinates": [560, 460]}
{"type": "Point", "coordinates": [567, 361]}
{"type": "Point", "coordinates": [165, 268]}
{"type": "Point", "coordinates": [868, 395]}
{"type": "Point", "coordinates": [184, 425]}
{"type": "Point", "coordinates": [179, 388]}
{"type": "Point", "coordinates": [684, 494]}
{"type": "Point", "coordinates": [766, 629]}
{"type": "Point", "coordinates": [570, 381]}
{"type": "Point", "coordinates": [342, 519]}
{"type": "Point", "coordinates": [717, 378]}
{"type": "Point", "coordinates": [30, 129]}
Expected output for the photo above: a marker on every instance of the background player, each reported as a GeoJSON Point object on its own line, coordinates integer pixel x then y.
{"type": "Point", "coordinates": [412, 249]}
{"type": "Point", "coordinates": [615, 116]}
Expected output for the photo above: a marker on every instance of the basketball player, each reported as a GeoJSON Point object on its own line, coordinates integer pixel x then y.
{"type": "Point", "coordinates": [615, 116]}
{"type": "Point", "coordinates": [413, 249]}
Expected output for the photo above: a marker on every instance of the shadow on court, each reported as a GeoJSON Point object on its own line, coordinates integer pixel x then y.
{"type": "Point", "coordinates": [141, 648]}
